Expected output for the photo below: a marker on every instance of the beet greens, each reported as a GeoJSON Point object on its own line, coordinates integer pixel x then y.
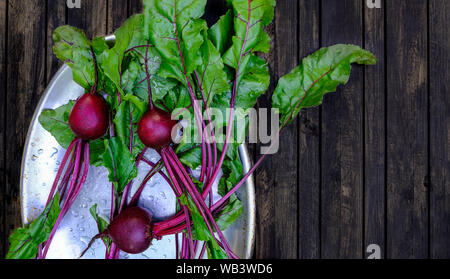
{"type": "Point", "coordinates": [164, 64]}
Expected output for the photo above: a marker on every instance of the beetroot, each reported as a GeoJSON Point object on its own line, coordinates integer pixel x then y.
{"type": "Point", "coordinates": [131, 231]}
{"type": "Point", "coordinates": [89, 117]}
{"type": "Point", "coordinates": [155, 129]}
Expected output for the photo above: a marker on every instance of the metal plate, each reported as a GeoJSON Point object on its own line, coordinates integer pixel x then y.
{"type": "Point", "coordinates": [40, 162]}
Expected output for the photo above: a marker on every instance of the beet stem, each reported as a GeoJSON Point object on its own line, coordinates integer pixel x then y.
{"type": "Point", "coordinates": [99, 235]}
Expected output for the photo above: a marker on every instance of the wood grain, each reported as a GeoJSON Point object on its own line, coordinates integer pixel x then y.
{"type": "Point", "coordinates": [56, 16]}
{"type": "Point", "coordinates": [284, 168]}
{"type": "Point", "coordinates": [135, 6]}
{"type": "Point", "coordinates": [369, 166]}
{"type": "Point", "coordinates": [26, 80]}
{"type": "Point", "coordinates": [3, 217]}
{"type": "Point", "coordinates": [407, 208]}
{"type": "Point", "coordinates": [342, 139]}
{"type": "Point", "coordinates": [264, 180]}
{"type": "Point", "coordinates": [439, 17]}
{"type": "Point", "coordinates": [374, 131]}
{"type": "Point", "coordinates": [91, 18]}
{"type": "Point", "coordinates": [117, 14]}
{"type": "Point", "coordinates": [309, 129]}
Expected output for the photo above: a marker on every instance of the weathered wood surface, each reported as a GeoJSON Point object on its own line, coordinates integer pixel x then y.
{"type": "Point", "coordinates": [371, 166]}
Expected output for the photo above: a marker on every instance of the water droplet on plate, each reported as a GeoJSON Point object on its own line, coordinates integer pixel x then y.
{"type": "Point", "coordinates": [55, 151]}
{"type": "Point", "coordinates": [85, 239]}
{"type": "Point", "coordinates": [163, 195]}
{"type": "Point", "coordinates": [40, 151]}
{"type": "Point", "coordinates": [34, 157]}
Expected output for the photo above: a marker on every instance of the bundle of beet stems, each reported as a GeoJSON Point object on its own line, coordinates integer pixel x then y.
{"type": "Point", "coordinates": [166, 63]}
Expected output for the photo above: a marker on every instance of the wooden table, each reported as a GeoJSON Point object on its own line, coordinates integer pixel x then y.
{"type": "Point", "coordinates": [370, 166]}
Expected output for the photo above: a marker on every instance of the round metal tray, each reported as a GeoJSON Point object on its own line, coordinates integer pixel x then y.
{"type": "Point", "coordinates": [41, 158]}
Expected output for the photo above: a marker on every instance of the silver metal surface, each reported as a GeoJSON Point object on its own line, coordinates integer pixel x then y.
{"type": "Point", "coordinates": [41, 158]}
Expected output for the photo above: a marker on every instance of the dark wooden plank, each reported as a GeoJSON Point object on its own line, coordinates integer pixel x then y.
{"type": "Point", "coordinates": [374, 131]}
{"type": "Point", "coordinates": [309, 143]}
{"type": "Point", "coordinates": [407, 219]}
{"type": "Point", "coordinates": [56, 16]}
{"type": "Point", "coordinates": [277, 178]}
{"type": "Point", "coordinates": [117, 14]}
{"type": "Point", "coordinates": [3, 216]}
{"type": "Point", "coordinates": [26, 80]}
{"type": "Point", "coordinates": [263, 179]}
{"type": "Point", "coordinates": [135, 7]}
{"type": "Point", "coordinates": [342, 141]}
{"type": "Point", "coordinates": [285, 161]}
{"type": "Point", "coordinates": [91, 18]}
{"type": "Point", "coordinates": [439, 17]}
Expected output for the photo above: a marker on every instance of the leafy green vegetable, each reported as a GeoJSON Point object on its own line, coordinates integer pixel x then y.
{"type": "Point", "coordinates": [219, 33]}
{"type": "Point", "coordinates": [24, 242]}
{"type": "Point", "coordinates": [211, 78]}
{"type": "Point", "coordinates": [130, 111]}
{"type": "Point", "coordinates": [119, 162]}
{"type": "Point", "coordinates": [249, 19]}
{"type": "Point", "coordinates": [127, 36]}
{"type": "Point", "coordinates": [176, 31]}
{"type": "Point", "coordinates": [56, 122]}
{"type": "Point", "coordinates": [318, 74]}
{"type": "Point", "coordinates": [102, 224]}
{"type": "Point", "coordinates": [72, 47]}
{"type": "Point", "coordinates": [199, 229]}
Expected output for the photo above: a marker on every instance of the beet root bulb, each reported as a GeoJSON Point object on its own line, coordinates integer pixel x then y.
{"type": "Point", "coordinates": [131, 231]}
{"type": "Point", "coordinates": [89, 117]}
{"type": "Point", "coordinates": [155, 129]}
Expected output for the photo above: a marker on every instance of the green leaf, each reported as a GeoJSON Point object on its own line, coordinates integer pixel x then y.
{"type": "Point", "coordinates": [219, 33]}
{"type": "Point", "coordinates": [129, 35]}
{"type": "Point", "coordinates": [102, 224]}
{"type": "Point", "coordinates": [252, 84]}
{"type": "Point", "coordinates": [96, 150]}
{"type": "Point", "coordinates": [200, 230]}
{"type": "Point", "coordinates": [56, 122]}
{"type": "Point", "coordinates": [24, 242]}
{"type": "Point", "coordinates": [178, 97]}
{"type": "Point", "coordinates": [192, 157]}
{"type": "Point", "coordinates": [214, 250]}
{"type": "Point", "coordinates": [229, 214]}
{"type": "Point", "coordinates": [211, 78]}
{"type": "Point", "coordinates": [72, 47]}
{"type": "Point", "coordinates": [318, 74]}
{"type": "Point", "coordinates": [119, 162]}
{"type": "Point", "coordinates": [130, 110]}
{"type": "Point", "coordinates": [249, 19]}
{"type": "Point", "coordinates": [133, 80]}
{"type": "Point", "coordinates": [174, 28]}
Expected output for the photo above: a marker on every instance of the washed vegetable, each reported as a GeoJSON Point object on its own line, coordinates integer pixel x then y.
{"type": "Point", "coordinates": [155, 129]}
{"type": "Point", "coordinates": [88, 120]}
{"type": "Point", "coordinates": [167, 63]}
{"type": "Point", "coordinates": [131, 231]}
{"type": "Point", "coordinates": [89, 117]}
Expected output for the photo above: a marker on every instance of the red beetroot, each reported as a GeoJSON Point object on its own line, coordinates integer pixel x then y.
{"type": "Point", "coordinates": [89, 117]}
{"type": "Point", "coordinates": [131, 231]}
{"type": "Point", "coordinates": [155, 129]}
